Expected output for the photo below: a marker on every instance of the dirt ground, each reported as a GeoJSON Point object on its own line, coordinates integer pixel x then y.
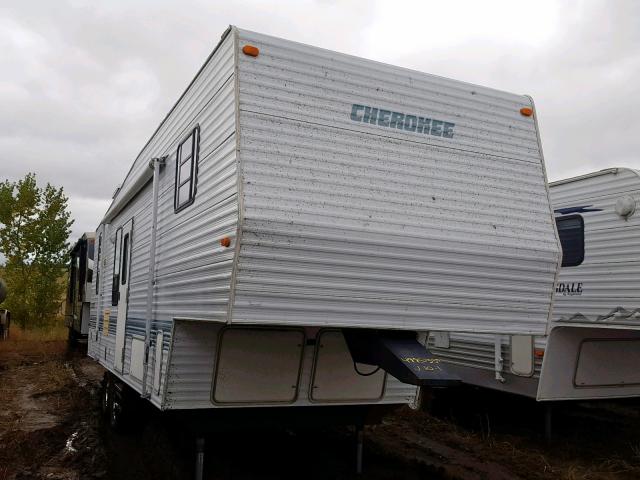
{"type": "Point", "coordinates": [51, 428]}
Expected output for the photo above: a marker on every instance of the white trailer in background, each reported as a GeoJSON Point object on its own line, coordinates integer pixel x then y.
{"type": "Point", "coordinates": [592, 349]}
{"type": "Point", "coordinates": [301, 219]}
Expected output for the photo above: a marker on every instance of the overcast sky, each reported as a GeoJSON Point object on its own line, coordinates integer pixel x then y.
{"type": "Point", "coordinates": [83, 85]}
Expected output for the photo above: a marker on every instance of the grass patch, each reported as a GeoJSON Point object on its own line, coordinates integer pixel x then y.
{"type": "Point", "coordinates": [54, 332]}
{"type": "Point", "coordinates": [47, 340]}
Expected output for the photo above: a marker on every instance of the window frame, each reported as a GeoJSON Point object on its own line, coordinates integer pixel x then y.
{"type": "Point", "coordinates": [96, 265]}
{"type": "Point", "coordinates": [178, 206]}
{"type": "Point", "coordinates": [83, 265]}
{"type": "Point", "coordinates": [73, 276]}
{"type": "Point", "coordinates": [125, 259]}
{"type": "Point", "coordinates": [115, 283]}
{"type": "Point", "coordinates": [581, 258]}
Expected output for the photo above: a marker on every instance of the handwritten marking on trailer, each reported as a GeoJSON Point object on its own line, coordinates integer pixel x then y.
{"type": "Point", "coordinates": [401, 121]}
{"type": "Point", "coordinates": [432, 367]}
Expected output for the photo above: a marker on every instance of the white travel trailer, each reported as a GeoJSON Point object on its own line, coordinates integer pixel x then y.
{"type": "Point", "coordinates": [592, 349]}
{"type": "Point", "coordinates": [301, 218]}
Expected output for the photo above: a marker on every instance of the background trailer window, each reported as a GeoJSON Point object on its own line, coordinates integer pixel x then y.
{"type": "Point", "coordinates": [571, 233]}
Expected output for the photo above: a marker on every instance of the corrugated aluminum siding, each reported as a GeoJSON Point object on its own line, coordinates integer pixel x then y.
{"type": "Point", "coordinates": [192, 363]}
{"type": "Point", "coordinates": [610, 273]}
{"type": "Point", "coordinates": [192, 271]}
{"type": "Point", "coordinates": [350, 224]}
{"type": "Point", "coordinates": [478, 351]}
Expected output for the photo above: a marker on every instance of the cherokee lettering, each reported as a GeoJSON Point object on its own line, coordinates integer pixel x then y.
{"type": "Point", "coordinates": [401, 121]}
{"type": "Point", "coordinates": [354, 112]}
{"type": "Point", "coordinates": [383, 118]}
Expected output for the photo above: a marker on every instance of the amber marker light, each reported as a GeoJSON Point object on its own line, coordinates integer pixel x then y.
{"type": "Point", "coordinates": [526, 111]}
{"type": "Point", "coordinates": [225, 242]}
{"type": "Point", "coordinates": [250, 50]}
{"type": "Point", "coordinates": [539, 352]}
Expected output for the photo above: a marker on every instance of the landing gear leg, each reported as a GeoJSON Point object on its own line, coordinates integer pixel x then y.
{"type": "Point", "coordinates": [199, 458]}
{"type": "Point", "coordinates": [359, 447]}
{"type": "Point", "coordinates": [548, 411]}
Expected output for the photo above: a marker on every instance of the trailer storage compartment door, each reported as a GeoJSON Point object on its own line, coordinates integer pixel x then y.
{"type": "Point", "coordinates": [608, 363]}
{"type": "Point", "coordinates": [588, 363]}
{"type": "Point", "coordinates": [375, 196]}
{"type": "Point", "coordinates": [258, 366]}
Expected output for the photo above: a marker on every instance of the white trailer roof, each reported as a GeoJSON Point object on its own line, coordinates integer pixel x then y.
{"type": "Point", "coordinates": [599, 173]}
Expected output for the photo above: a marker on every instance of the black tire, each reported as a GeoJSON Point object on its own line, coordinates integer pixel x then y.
{"type": "Point", "coordinates": [106, 396]}
{"type": "Point", "coordinates": [73, 337]}
{"type": "Point", "coordinates": [4, 326]}
{"type": "Point", "coordinates": [115, 416]}
{"type": "Point", "coordinates": [120, 411]}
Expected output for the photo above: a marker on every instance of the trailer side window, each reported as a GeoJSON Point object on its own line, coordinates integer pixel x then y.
{"type": "Point", "coordinates": [571, 233]}
{"type": "Point", "coordinates": [125, 259]}
{"type": "Point", "coordinates": [82, 269]}
{"type": "Point", "coordinates": [72, 278]}
{"type": "Point", "coordinates": [90, 264]}
{"type": "Point", "coordinates": [115, 285]}
{"type": "Point", "coordinates": [186, 170]}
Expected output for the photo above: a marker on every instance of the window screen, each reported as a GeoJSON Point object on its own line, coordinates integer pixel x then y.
{"type": "Point", "coordinates": [186, 170]}
{"type": "Point", "coordinates": [125, 259]}
{"type": "Point", "coordinates": [115, 284]}
{"type": "Point", "coordinates": [571, 232]}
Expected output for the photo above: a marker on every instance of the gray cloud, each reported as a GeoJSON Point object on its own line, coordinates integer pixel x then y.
{"type": "Point", "coordinates": [84, 84]}
{"type": "Point", "coordinates": [582, 75]}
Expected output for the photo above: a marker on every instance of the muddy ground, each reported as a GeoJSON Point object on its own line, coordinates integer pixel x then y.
{"type": "Point", "coordinates": [51, 428]}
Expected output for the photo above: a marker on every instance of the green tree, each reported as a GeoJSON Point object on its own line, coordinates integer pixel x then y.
{"type": "Point", "coordinates": [34, 228]}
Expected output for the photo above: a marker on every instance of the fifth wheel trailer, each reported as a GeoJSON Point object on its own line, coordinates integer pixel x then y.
{"type": "Point", "coordinates": [79, 287]}
{"type": "Point", "coordinates": [592, 349]}
{"type": "Point", "coordinates": [302, 218]}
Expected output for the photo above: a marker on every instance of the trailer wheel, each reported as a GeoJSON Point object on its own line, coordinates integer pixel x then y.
{"type": "Point", "coordinates": [72, 339]}
{"type": "Point", "coordinates": [106, 395]}
{"type": "Point", "coordinates": [120, 406]}
{"type": "Point", "coordinates": [116, 414]}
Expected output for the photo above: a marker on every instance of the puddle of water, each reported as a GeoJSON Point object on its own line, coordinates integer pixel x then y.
{"type": "Point", "coordinates": [32, 416]}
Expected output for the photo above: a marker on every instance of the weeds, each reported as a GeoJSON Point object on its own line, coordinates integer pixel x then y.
{"type": "Point", "coordinates": [54, 332]}
{"type": "Point", "coordinates": [38, 341]}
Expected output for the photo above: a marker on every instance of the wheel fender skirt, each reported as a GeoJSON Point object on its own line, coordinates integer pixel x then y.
{"type": "Point", "coordinates": [399, 354]}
